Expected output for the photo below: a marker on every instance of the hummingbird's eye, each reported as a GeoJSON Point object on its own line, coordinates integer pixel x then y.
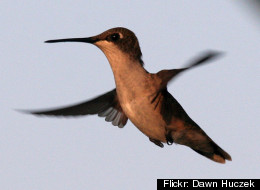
{"type": "Point", "coordinates": [114, 37]}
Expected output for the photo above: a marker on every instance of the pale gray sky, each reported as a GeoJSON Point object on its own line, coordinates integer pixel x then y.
{"type": "Point", "coordinates": [88, 153]}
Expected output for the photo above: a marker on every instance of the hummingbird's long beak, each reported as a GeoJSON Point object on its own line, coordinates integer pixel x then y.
{"type": "Point", "coordinates": [90, 40]}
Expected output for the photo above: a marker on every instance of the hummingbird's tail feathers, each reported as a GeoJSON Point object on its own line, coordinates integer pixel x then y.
{"type": "Point", "coordinates": [186, 132]}
{"type": "Point", "coordinates": [216, 154]}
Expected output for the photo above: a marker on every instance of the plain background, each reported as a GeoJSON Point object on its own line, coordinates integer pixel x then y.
{"type": "Point", "coordinates": [87, 152]}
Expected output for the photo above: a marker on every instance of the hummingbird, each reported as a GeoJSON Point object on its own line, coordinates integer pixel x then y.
{"type": "Point", "coordinates": [142, 97]}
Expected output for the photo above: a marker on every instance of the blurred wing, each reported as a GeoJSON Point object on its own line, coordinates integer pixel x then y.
{"type": "Point", "coordinates": [204, 58]}
{"type": "Point", "coordinates": [168, 75]}
{"type": "Point", "coordinates": [106, 105]}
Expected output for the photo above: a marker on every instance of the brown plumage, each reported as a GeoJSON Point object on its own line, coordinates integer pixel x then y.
{"type": "Point", "coordinates": [142, 97]}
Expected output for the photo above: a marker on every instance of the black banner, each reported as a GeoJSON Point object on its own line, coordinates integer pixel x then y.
{"type": "Point", "coordinates": [165, 184]}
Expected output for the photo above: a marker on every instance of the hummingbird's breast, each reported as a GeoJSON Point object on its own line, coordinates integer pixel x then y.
{"type": "Point", "coordinates": [146, 118]}
{"type": "Point", "coordinates": [136, 91]}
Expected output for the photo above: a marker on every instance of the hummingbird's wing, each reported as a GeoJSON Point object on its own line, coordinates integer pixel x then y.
{"type": "Point", "coordinates": [168, 75]}
{"type": "Point", "coordinates": [183, 130]}
{"type": "Point", "coordinates": [105, 105]}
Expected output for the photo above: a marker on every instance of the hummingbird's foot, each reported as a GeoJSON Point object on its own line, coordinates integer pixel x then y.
{"type": "Point", "coordinates": [169, 138]}
{"type": "Point", "coordinates": [158, 143]}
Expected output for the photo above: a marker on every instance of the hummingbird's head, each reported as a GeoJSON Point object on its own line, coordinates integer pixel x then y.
{"type": "Point", "coordinates": [111, 42]}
